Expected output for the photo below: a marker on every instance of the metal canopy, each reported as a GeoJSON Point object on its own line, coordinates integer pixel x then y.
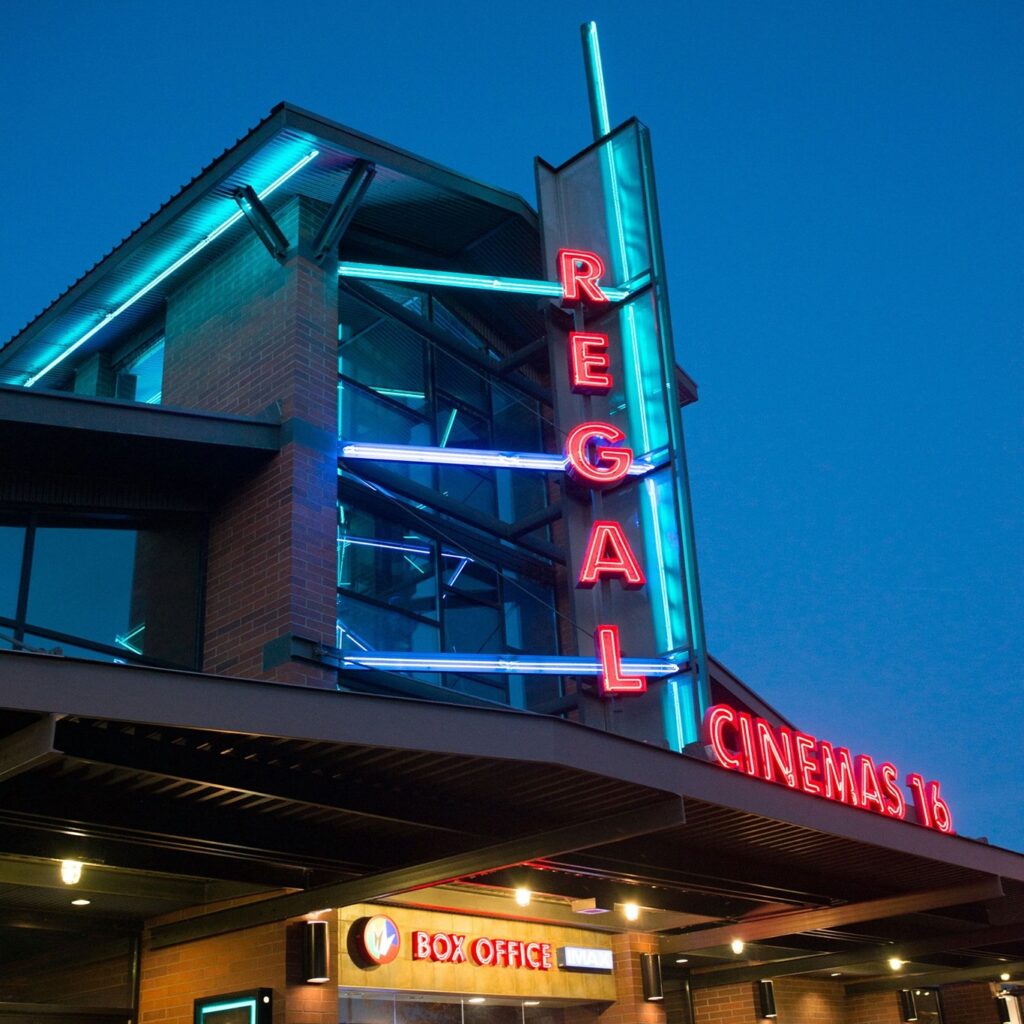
{"type": "Point", "coordinates": [270, 786]}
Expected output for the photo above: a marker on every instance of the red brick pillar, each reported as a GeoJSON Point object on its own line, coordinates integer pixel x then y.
{"type": "Point", "coordinates": [969, 1003]}
{"type": "Point", "coordinates": [246, 335]}
{"type": "Point", "coordinates": [736, 1004]}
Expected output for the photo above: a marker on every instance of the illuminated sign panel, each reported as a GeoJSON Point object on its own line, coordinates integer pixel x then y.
{"type": "Point", "coordinates": [454, 948]}
{"type": "Point", "coordinates": [742, 743]}
{"type": "Point", "coordinates": [585, 958]}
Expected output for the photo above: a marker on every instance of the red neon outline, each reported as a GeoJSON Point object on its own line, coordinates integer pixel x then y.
{"type": "Point", "coordinates": [839, 785]}
{"type": "Point", "coordinates": [806, 765]}
{"type": "Point", "coordinates": [588, 356]}
{"type": "Point", "coordinates": [867, 784]}
{"type": "Point", "coordinates": [895, 802]}
{"type": "Point", "coordinates": [781, 756]}
{"type": "Point", "coordinates": [610, 465]}
{"type": "Point", "coordinates": [609, 554]}
{"type": "Point", "coordinates": [747, 742]}
{"type": "Point", "coordinates": [712, 739]}
{"type": "Point", "coordinates": [931, 810]}
{"type": "Point", "coordinates": [580, 282]}
{"type": "Point", "coordinates": [609, 653]}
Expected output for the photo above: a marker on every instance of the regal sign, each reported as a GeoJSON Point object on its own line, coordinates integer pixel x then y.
{"type": "Point", "coordinates": [596, 458]}
{"type": "Point", "coordinates": [787, 757]}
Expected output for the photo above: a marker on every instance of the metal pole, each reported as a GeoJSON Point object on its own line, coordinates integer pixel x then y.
{"type": "Point", "coordinates": [595, 80]}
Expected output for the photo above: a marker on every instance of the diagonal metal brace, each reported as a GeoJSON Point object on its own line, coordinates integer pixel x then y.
{"type": "Point", "coordinates": [343, 209]}
{"type": "Point", "coordinates": [261, 221]}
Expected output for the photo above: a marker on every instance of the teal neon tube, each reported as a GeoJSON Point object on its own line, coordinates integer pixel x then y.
{"type": "Point", "coordinates": [481, 282]}
{"type": "Point", "coordinates": [164, 274]}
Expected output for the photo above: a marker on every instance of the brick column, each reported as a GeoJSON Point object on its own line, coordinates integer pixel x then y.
{"type": "Point", "coordinates": [630, 1006]}
{"type": "Point", "coordinates": [246, 335]}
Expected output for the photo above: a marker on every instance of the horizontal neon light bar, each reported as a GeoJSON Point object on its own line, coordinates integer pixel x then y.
{"type": "Point", "coordinates": [481, 282]}
{"type": "Point", "coordinates": [164, 274]}
{"type": "Point", "coordinates": [515, 664]}
{"type": "Point", "coordinates": [537, 461]}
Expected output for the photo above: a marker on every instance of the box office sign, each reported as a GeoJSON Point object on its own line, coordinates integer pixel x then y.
{"type": "Point", "coordinates": [408, 949]}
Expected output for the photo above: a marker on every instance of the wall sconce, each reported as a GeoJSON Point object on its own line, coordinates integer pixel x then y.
{"type": "Point", "coordinates": [908, 1005]}
{"type": "Point", "coordinates": [315, 952]}
{"type": "Point", "coordinates": [766, 998]}
{"type": "Point", "coordinates": [650, 975]}
{"type": "Point", "coordinates": [1003, 1009]}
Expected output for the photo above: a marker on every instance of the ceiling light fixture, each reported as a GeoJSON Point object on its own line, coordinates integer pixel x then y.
{"type": "Point", "coordinates": [523, 896]}
{"type": "Point", "coordinates": [737, 946]}
{"type": "Point", "coordinates": [895, 963]}
{"type": "Point", "coordinates": [80, 903]}
{"type": "Point", "coordinates": [631, 911]}
{"type": "Point", "coordinates": [70, 871]}
{"type": "Point", "coordinates": [1004, 976]}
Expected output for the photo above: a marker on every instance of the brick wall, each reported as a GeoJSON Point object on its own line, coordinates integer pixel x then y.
{"type": "Point", "coordinates": [56, 977]}
{"type": "Point", "coordinates": [269, 956]}
{"type": "Point", "coordinates": [874, 1008]}
{"type": "Point", "coordinates": [246, 335]}
{"type": "Point", "coordinates": [803, 1001]}
{"type": "Point", "coordinates": [972, 1003]}
{"type": "Point", "coordinates": [726, 1004]}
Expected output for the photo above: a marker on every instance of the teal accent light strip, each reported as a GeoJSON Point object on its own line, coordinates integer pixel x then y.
{"type": "Point", "coordinates": [595, 80]}
{"type": "Point", "coordinates": [238, 1004]}
{"type": "Point", "coordinates": [167, 271]}
{"type": "Point", "coordinates": [482, 282]}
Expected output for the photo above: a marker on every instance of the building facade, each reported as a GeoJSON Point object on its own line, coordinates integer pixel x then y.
{"type": "Point", "coordinates": [351, 640]}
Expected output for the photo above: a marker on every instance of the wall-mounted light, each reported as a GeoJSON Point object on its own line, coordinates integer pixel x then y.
{"type": "Point", "coordinates": [1003, 1009]}
{"type": "Point", "coordinates": [70, 872]}
{"type": "Point", "coordinates": [315, 953]}
{"type": "Point", "coordinates": [523, 896]}
{"type": "Point", "coordinates": [650, 975]}
{"type": "Point", "coordinates": [631, 911]}
{"type": "Point", "coordinates": [737, 946]}
{"type": "Point", "coordinates": [766, 998]}
{"type": "Point", "coordinates": [908, 1005]}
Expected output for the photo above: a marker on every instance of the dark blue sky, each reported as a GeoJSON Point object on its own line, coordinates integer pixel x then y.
{"type": "Point", "coordinates": [843, 207]}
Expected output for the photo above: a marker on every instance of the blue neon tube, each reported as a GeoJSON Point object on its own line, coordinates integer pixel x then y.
{"type": "Point", "coordinates": [514, 664]}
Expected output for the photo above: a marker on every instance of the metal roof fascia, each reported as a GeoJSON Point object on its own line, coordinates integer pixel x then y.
{"type": "Point", "coordinates": [194, 192]}
{"type": "Point", "coordinates": [40, 683]}
{"type": "Point", "coordinates": [407, 163]}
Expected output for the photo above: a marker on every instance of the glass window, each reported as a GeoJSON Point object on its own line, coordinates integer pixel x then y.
{"type": "Point", "coordinates": [389, 359]}
{"type": "Point", "coordinates": [368, 627]}
{"type": "Point", "coordinates": [383, 560]}
{"type": "Point", "coordinates": [148, 371]}
{"type": "Point", "coordinates": [529, 615]}
{"type": "Point", "coordinates": [126, 589]}
{"type": "Point", "coordinates": [12, 544]}
{"type": "Point", "coordinates": [470, 627]}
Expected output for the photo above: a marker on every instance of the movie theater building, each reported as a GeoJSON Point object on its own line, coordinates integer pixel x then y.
{"type": "Point", "coordinates": [353, 665]}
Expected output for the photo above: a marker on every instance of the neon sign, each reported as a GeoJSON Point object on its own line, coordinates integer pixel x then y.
{"type": "Point", "coordinates": [452, 948]}
{"type": "Point", "coordinates": [742, 743]}
{"type": "Point", "coordinates": [608, 553]}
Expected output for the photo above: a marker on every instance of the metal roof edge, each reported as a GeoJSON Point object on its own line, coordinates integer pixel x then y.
{"type": "Point", "coordinates": [42, 684]}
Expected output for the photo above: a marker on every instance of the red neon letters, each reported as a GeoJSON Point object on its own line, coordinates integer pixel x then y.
{"type": "Point", "coordinates": [609, 654]}
{"type": "Point", "coordinates": [608, 554]}
{"type": "Point", "coordinates": [778, 754]}
{"type": "Point", "coordinates": [450, 948]}
{"type": "Point", "coordinates": [609, 465]}
{"type": "Point", "coordinates": [579, 272]}
{"type": "Point", "coordinates": [588, 363]}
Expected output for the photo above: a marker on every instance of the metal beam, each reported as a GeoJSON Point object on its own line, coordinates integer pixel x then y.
{"type": "Point", "coordinates": [62, 1013]}
{"type": "Point", "coordinates": [653, 817]}
{"type": "Point", "coordinates": [28, 748]}
{"type": "Point", "coordinates": [904, 980]}
{"type": "Point", "coordinates": [261, 221]}
{"type": "Point", "coordinates": [183, 763]}
{"type": "Point", "coordinates": [912, 952]}
{"type": "Point", "coordinates": [793, 921]}
{"type": "Point", "coordinates": [343, 209]}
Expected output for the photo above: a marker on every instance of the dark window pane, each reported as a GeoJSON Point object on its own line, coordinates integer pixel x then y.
{"type": "Point", "coordinates": [137, 590]}
{"type": "Point", "coordinates": [389, 359]}
{"type": "Point", "coordinates": [12, 543]}
{"type": "Point", "coordinates": [366, 627]}
{"type": "Point", "coordinates": [529, 615]}
{"type": "Point", "coordinates": [387, 562]}
{"type": "Point", "coordinates": [471, 628]}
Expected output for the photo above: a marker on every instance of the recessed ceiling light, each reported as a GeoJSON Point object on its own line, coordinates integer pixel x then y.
{"type": "Point", "coordinates": [80, 903]}
{"type": "Point", "coordinates": [531, 1002]}
{"type": "Point", "coordinates": [70, 871]}
{"type": "Point", "coordinates": [476, 999]}
{"type": "Point", "coordinates": [836, 974]}
{"type": "Point", "coordinates": [682, 960]}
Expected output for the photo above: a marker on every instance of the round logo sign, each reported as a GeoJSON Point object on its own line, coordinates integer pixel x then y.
{"type": "Point", "coordinates": [378, 940]}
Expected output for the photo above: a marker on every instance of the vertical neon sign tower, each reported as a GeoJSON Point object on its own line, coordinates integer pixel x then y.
{"type": "Point", "coordinates": [603, 200]}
